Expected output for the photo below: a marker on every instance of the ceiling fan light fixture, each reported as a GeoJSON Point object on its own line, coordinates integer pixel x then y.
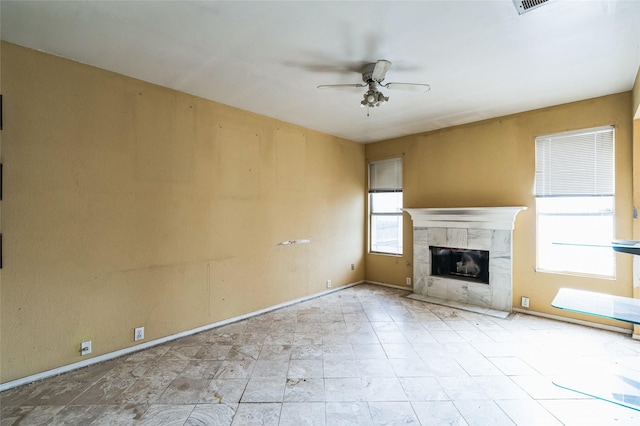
{"type": "Point", "coordinates": [371, 98]}
{"type": "Point", "coordinates": [372, 75]}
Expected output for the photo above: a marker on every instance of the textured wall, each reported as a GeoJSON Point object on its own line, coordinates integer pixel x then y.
{"type": "Point", "coordinates": [492, 163]}
{"type": "Point", "coordinates": [127, 204]}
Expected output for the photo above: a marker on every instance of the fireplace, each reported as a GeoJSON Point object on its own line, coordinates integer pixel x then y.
{"type": "Point", "coordinates": [458, 263]}
{"type": "Point", "coordinates": [462, 257]}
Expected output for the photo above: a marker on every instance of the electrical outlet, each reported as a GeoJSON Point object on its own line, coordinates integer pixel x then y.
{"type": "Point", "coordinates": [85, 348]}
{"type": "Point", "coordinates": [353, 267]}
{"type": "Point", "coordinates": [138, 334]}
{"type": "Point", "coordinates": [328, 283]}
{"type": "Point", "coordinates": [408, 281]}
{"type": "Point", "coordinates": [525, 302]}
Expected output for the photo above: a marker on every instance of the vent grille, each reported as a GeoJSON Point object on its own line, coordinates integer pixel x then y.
{"type": "Point", "coordinates": [524, 6]}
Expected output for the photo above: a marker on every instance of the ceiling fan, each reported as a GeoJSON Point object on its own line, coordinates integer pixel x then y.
{"type": "Point", "coordinates": [372, 75]}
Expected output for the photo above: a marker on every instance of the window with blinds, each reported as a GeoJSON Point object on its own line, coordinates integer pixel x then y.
{"type": "Point", "coordinates": [385, 206]}
{"type": "Point", "coordinates": [575, 189]}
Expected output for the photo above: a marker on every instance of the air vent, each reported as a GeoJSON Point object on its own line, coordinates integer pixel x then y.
{"type": "Point", "coordinates": [524, 6]}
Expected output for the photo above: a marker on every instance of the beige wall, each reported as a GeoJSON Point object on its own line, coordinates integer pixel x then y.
{"type": "Point", "coordinates": [636, 97]}
{"type": "Point", "coordinates": [127, 204]}
{"type": "Point", "coordinates": [636, 202]}
{"type": "Point", "coordinates": [636, 175]}
{"type": "Point", "coordinates": [492, 163]}
{"type": "Point", "coordinates": [1, 159]}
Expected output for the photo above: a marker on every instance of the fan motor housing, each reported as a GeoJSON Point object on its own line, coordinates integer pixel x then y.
{"type": "Point", "coordinates": [367, 73]}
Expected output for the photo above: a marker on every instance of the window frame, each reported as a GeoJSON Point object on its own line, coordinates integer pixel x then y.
{"type": "Point", "coordinates": [598, 183]}
{"type": "Point", "coordinates": [388, 184]}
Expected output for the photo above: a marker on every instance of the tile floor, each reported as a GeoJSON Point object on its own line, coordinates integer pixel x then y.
{"type": "Point", "coordinates": [365, 355]}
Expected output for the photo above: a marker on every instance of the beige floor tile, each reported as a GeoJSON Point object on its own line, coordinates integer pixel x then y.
{"type": "Point", "coordinates": [212, 414]}
{"type": "Point", "coordinates": [162, 414]}
{"type": "Point", "coordinates": [438, 413]}
{"type": "Point", "coordinates": [302, 414]}
{"type": "Point", "coordinates": [263, 414]}
{"type": "Point", "coordinates": [360, 356]}
{"type": "Point", "coordinates": [392, 413]}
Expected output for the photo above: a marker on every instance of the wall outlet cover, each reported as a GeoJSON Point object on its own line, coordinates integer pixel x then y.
{"type": "Point", "coordinates": [85, 348]}
{"type": "Point", "coordinates": [138, 334]}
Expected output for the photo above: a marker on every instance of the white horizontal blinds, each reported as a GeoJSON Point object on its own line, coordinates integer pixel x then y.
{"type": "Point", "coordinates": [385, 175]}
{"type": "Point", "coordinates": [575, 164]}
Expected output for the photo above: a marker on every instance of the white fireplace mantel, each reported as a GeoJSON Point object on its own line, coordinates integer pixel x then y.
{"type": "Point", "coordinates": [475, 228]}
{"type": "Point", "coordinates": [466, 217]}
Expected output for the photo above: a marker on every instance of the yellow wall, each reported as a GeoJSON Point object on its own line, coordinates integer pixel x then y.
{"type": "Point", "coordinates": [636, 178]}
{"type": "Point", "coordinates": [1, 158]}
{"type": "Point", "coordinates": [492, 163]}
{"type": "Point", "coordinates": [636, 96]}
{"type": "Point", "coordinates": [128, 204]}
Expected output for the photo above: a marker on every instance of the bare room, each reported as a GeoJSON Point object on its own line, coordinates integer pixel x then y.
{"type": "Point", "coordinates": [320, 212]}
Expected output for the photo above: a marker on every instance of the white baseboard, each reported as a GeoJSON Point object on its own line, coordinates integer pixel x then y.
{"type": "Point", "coordinates": [388, 285]}
{"type": "Point", "coordinates": [116, 354]}
{"type": "Point", "coordinates": [539, 314]}
{"type": "Point", "coordinates": [574, 321]}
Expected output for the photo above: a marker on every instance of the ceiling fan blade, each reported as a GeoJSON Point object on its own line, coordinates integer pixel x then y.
{"type": "Point", "coordinates": [340, 86]}
{"type": "Point", "coordinates": [380, 70]}
{"type": "Point", "coordinates": [410, 87]}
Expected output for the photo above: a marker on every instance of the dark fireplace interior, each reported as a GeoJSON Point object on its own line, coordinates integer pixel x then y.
{"type": "Point", "coordinates": [464, 264]}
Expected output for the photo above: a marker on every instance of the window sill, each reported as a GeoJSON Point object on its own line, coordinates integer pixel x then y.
{"type": "Point", "coordinates": [379, 253]}
{"type": "Point", "coordinates": [576, 274]}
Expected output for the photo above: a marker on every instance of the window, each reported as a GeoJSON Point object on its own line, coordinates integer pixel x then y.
{"type": "Point", "coordinates": [574, 202]}
{"type": "Point", "coordinates": [385, 206]}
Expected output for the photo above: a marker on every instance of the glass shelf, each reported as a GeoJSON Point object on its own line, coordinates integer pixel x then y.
{"type": "Point", "coordinates": [599, 304]}
{"type": "Point", "coordinates": [626, 246]}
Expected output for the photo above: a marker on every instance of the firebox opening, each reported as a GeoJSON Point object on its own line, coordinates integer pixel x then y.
{"type": "Point", "coordinates": [463, 264]}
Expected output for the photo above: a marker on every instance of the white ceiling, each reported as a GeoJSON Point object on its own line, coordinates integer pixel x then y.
{"type": "Point", "coordinates": [481, 58]}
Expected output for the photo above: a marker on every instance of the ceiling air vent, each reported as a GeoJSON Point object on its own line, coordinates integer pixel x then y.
{"type": "Point", "coordinates": [524, 6]}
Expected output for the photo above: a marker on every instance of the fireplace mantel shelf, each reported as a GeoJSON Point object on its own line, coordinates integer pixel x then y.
{"type": "Point", "coordinates": [465, 217]}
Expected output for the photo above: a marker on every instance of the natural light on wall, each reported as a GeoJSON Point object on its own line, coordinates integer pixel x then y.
{"type": "Point", "coordinates": [575, 202]}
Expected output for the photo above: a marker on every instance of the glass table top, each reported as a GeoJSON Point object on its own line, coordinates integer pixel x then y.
{"type": "Point", "coordinates": [600, 304]}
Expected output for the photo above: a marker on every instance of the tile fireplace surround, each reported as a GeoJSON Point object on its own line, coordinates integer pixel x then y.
{"type": "Point", "coordinates": [474, 228]}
